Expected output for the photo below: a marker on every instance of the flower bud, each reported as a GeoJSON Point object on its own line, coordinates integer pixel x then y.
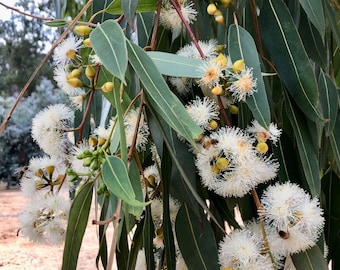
{"type": "Point", "coordinates": [87, 42]}
{"type": "Point", "coordinates": [213, 124]}
{"type": "Point", "coordinates": [101, 141]}
{"type": "Point", "coordinates": [222, 163]}
{"type": "Point", "coordinates": [75, 82]}
{"type": "Point", "coordinates": [227, 3]}
{"type": "Point", "coordinates": [107, 87]}
{"type": "Point", "coordinates": [233, 109]}
{"type": "Point", "coordinates": [217, 90]}
{"type": "Point", "coordinates": [262, 147]}
{"type": "Point", "coordinates": [90, 72]}
{"type": "Point", "coordinates": [215, 169]}
{"type": "Point", "coordinates": [82, 30]}
{"type": "Point", "coordinates": [238, 66]}
{"type": "Point", "coordinates": [93, 141]}
{"type": "Point", "coordinates": [71, 54]}
{"type": "Point", "coordinates": [222, 61]}
{"type": "Point", "coordinates": [211, 9]}
{"type": "Point", "coordinates": [219, 16]}
{"type": "Point", "coordinates": [75, 73]}
{"type": "Point", "coordinates": [50, 169]}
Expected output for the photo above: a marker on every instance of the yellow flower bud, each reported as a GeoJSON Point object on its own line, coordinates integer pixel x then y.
{"type": "Point", "coordinates": [75, 82]}
{"type": "Point", "coordinates": [50, 169]}
{"type": "Point", "coordinates": [222, 61]}
{"type": "Point", "coordinates": [222, 163]}
{"type": "Point", "coordinates": [213, 124]}
{"type": "Point", "coordinates": [217, 90]}
{"type": "Point", "coordinates": [107, 87]}
{"type": "Point", "coordinates": [75, 73]}
{"type": "Point", "coordinates": [219, 19]}
{"type": "Point", "coordinates": [87, 42]}
{"type": "Point", "coordinates": [219, 48]}
{"type": "Point", "coordinates": [227, 3]}
{"type": "Point", "coordinates": [69, 76]}
{"type": "Point", "coordinates": [101, 141]}
{"type": "Point", "coordinates": [238, 66]}
{"type": "Point", "coordinates": [82, 30]}
{"type": "Point", "coordinates": [71, 54]}
{"type": "Point", "coordinates": [215, 169]}
{"type": "Point", "coordinates": [93, 141]}
{"type": "Point", "coordinates": [233, 109]}
{"type": "Point", "coordinates": [90, 72]}
{"type": "Point", "coordinates": [262, 147]}
{"type": "Point", "coordinates": [211, 9]}
{"type": "Point", "coordinates": [151, 181]}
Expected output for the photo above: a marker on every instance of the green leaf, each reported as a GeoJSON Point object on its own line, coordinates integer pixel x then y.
{"type": "Point", "coordinates": [289, 55]}
{"type": "Point", "coordinates": [102, 252]}
{"type": "Point", "coordinates": [108, 41]}
{"type": "Point", "coordinates": [143, 6]}
{"type": "Point", "coordinates": [148, 235]}
{"type": "Point", "coordinates": [196, 240]}
{"type": "Point", "coordinates": [315, 49]}
{"type": "Point", "coordinates": [56, 23]}
{"type": "Point", "coordinates": [77, 222]}
{"type": "Point", "coordinates": [315, 13]}
{"type": "Point", "coordinates": [159, 96]}
{"type": "Point", "coordinates": [117, 180]}
{"type": "Point", "coordinates": [311, 259]}
{"type": "Point", "coordinates": [331, 201]}
{"type": "Point", "coordinates": [241, 46]}
{"type": "Point", "coordinates": [129, 8]}
{"type": "Point", "coordinates": [329, 100]}
{"type": "Point", "coordinates": [145, 26]}
{"type": "Point", "coordinates": [306, 148]}
{"type": "Point", "coordinates": [176, 65]}
{"type": "Point", "coordinates": [332, 13]}
{"type": "Point", "coordinates": [136, 185]}
{"type": "Point", "coordinates": [335, 141]}
{"type": "Point", "coordinates": [169, 245]}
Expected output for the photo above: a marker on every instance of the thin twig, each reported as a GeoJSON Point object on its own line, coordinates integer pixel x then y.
{"type": "Point", "coordinates": [36, 71]}
{"type": "Point", "coordinates": [220, 104]}
{"type": "Point", "coordinates": [175, 4]}
{"type": "Point", "coordinates": [115, 234]}
{"type": "Point", "coordinates": [26, 14]}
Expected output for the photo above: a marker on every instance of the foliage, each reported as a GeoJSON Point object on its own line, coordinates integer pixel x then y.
{"type": "Point", "coordinates": [173, 158]}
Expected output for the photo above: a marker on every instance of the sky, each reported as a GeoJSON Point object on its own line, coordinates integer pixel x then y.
{"type": "Point", "coordinates": [5, 13]}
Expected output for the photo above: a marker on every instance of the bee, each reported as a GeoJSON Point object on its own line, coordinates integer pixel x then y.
{"type": "Point", "coordinates": [209, 142]}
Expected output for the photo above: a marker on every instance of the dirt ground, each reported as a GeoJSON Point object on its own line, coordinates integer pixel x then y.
{"type": "Point", "coordinates": [17, 252]}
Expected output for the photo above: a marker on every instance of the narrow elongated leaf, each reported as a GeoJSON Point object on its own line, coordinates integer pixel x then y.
{"type": "Point", "coordinates": [164, 102]}
{"type": "Point", "coordinates": [176, 65]}
{"type": "Point", "coordinates": [148, 235]}
{"type": "Point", "coordinates": [329, 100]}
{"type": "Point", "coordinates": [167, 223]}
{"type": "Point", "coordinates": [332, 17]}
{"type": "Point", "coordinates": [117, 180]}
{"type": "Point", "coordinates": [56, 23]}
{"type": "Point", "coordinates": [315, 13]}
{"type": "Point", "coordinates": [108, 41]}
{"type": "Point", "coordinates": [77, 222]}
{"type": "Point", "coordinates": [311, 259]}
{"type": "Point", "coordinates": [307, 150]}
{"type": "Point", "coordinates": [335, 141]}
{"type": "Point", "coordinates": [129, 8]}
{"type": "Point", "coordinates": [196, 240]}
{"type": "Point", "coordinates": [116, 7]}
{"type": "Point", "coordinates": [241, 46]}
{"type": "Point", "coordinates": [285, 47]}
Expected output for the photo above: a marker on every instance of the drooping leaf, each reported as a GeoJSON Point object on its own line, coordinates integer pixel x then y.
{"type": "Point", "coordinates": [102, 252]}
{"type": "Point", "coordinates": [77, 222]}
{"type": "Point", "coordinates": [108, 41]}
{"type": "Point", "coordinates": [196, 240]}
{"type": "Point", "coordinates": [335, 141]}
{"type": "Point", "coordinates": [148, 235]}
{"type": "Point", "coordinates": [310, 36]}
{"type": "Point", "coordinates": [145, 26]}
{"type": "Point", "coordinates": [167, 223]}
{"type": "Point", "coordinates": [176, 65]}
{"type": "Point", "coordinates": [311, 259]}
{"type": "Point", "coordinates": [129, 9]}
{"type": "Point", "coordinates": [329, 100]}
{"type": "Point", "coordinates": [116, 7]}
{"type": "Point", "coordinates": [315, 13]}
{"type": "Point", "coordinates": [306, 148]}
{"type": "Point", "coordinates": [164, 102]}
{"type": "Point", "coordinates": [56, 23]}
{"type": "Point", "coordinates": [116, 178]}
{"type": "Point", "coordinates": [289, 55]}
{"type": "Point", "coordinates": [333, 21]}
{"type": "Point", "coordinates": [331, 200]}
{"type": "Point", "coordinates": [241, 46]}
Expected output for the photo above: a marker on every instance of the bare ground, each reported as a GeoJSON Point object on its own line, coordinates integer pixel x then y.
{"type": "Point", "coordinates": [17, 252]}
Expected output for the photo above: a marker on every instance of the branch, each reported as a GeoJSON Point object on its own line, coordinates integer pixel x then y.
{"type": "Point", "coordinates": [36, 71]}
{"type": "Point", "coordinates": [26, 14]}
